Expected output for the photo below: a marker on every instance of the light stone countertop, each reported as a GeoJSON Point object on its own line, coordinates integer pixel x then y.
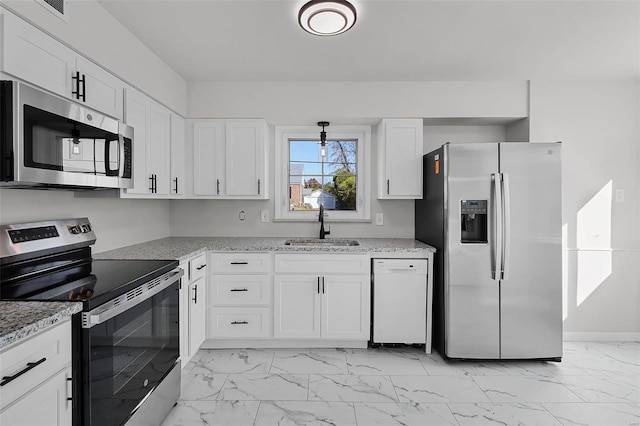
{"type": "Point", "coordinates": [19, 320]}
{"type": "Point", "coordinates": [182, 248]}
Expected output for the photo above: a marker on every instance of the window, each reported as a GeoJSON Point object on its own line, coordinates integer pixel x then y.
{"type": "Point", "coordinates": [336, 175]}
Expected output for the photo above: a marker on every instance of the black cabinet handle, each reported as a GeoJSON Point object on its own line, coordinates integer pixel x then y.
{"type": "Point", "coordinates": [318, 285]}
{"type": "Point", "coordinates": [30, 365]}
{"type": "Point", "coordinates": [387, 186]}
{"type": "Point", "coordinates": [239, 263]}
{"type": "Point", "coordinates": [217, 186]}
{"type": "Point", "coordinates": [176, 182]}
{"type": "Point", "coordinates": [239, 289]}
{"type": "Point", "coordinates": [83, 80]}
{"type": "Point", "coordinates": [201, 267]}
{"type": "Point", "coordinates": [151, 183]}
{"type": "Point", "coordinates": [195, 294]}
{"type": "Point", "coordinates": [155, 184]}
{"type": "Point", "coordinates": [259, 187]}
{"type": "Point", "coordinates": [239, 322]}
{"type": "Point", "coordinates": [322, 285]}
{"type": "Point", "coordinates": [81, 86]}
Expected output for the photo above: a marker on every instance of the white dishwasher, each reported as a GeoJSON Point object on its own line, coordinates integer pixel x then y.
{"type": "Point", "coordinates": [400, 302]}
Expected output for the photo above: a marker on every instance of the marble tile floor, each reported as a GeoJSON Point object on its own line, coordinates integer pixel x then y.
{"type": "Point", "coordinates": [595, 384]}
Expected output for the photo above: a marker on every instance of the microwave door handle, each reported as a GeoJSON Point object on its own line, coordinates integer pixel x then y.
{"type": "Point", "coordinates": [107, 157]}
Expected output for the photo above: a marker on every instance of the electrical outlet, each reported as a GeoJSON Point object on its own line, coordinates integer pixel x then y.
{"type": "Point", "coordinates": [379, 219]}
{"type": "Point", "coordinates": [264, 216]}
{"type": "Point", "coordinates": [619, 195]}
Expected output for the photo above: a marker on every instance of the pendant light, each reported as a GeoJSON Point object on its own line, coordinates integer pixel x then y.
{"type": "Point", "coordinates": [323, 138]}
{"type": "Point", "coordinates": [327, 17]}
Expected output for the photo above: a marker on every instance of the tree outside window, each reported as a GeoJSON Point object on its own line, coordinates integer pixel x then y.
{"type": "Point", "coordinates": [323, 175]}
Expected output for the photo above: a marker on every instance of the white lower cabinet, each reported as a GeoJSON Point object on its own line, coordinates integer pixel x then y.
{"type": "Point", "coordinates": [46, 405]}
{"type": "Point", "coordinates": [192, 306]}
{"type": "Point", "coordinates": [36, 379]}
{"type": "Point", "coordinates": [321, 304]}
{"type": "Point", "coordinates": [239, 296]}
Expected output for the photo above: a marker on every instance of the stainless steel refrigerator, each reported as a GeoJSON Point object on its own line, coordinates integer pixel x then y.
{"type": "Point", "coordinates": [493, 211]}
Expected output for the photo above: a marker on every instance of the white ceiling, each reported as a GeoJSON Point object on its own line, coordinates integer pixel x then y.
{"type": "Point", "coordinates": [393, 40]}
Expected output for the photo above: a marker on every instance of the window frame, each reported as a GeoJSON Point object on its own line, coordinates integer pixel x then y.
{"type": "Point", "coordinates": [283, 134]}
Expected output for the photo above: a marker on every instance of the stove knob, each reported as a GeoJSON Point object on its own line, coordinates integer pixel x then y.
{"type": "Point", "coordinates": [75, 229]}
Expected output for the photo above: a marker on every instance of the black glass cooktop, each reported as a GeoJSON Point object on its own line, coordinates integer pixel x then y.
{"type": "Point", "coordinates": [92, 282]}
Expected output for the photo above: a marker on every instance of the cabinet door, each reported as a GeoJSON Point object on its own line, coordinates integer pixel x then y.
{"type": "Point", "coordinates": [197, 301]}
{"type": "Point", "coordinates": [177, 155]}
{"type": "Point", "coordinates": [33, 56]}
{"type": "Point", "coordinates": [208, 158]}
{"type": "Point", "coordinates": [103, 91]}
{"type": "Point", "coordinates": [137, 110]}
{"type": "Point", "coordinates": [245, 158]}
{"type": "Point", "coordinates": [296, 306]}
{"type": "Point", "coordinates": [158, 148]}
{"type": "Point", "coordinates": [345, 306]}
{"type": "Point", "coordinates": [45, 405]}
{"type": "Point", "coordinates": [400, 156]}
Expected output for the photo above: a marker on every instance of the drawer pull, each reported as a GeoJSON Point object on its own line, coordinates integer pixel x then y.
{"type": "Point", "coordinates": [201, 266]}
{"type": "Point", "coordinates": [239, 289]}
{"type": "Point", "coordinates": [239, 322]}
{"type": "Point", "coordinates": [30, 365]}
{"type": "Point", "coordinates": [239, 263]}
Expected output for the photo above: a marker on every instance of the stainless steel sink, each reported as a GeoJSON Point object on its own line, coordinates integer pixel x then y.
{"type": "Point", "coordinates": [310, 242]}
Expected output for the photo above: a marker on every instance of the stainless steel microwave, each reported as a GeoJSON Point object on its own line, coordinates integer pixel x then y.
{"type": "Point", "coordinates": [50, 142]}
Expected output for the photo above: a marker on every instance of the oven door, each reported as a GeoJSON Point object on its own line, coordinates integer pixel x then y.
{"type": "Point", "coordinates": [127, 350]}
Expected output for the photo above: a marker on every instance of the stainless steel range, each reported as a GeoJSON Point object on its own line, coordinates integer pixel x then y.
{"type": "Point", "coordinates": [126, 367]}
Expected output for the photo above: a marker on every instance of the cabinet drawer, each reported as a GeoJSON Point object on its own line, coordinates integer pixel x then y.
{"type": "Point", "coordinates": [197, 267]}
{"type": "Point", "coordinates": [322, 263]}
{"type": "Point", "coordinates": [238, 322]}
{"type": "Point", "coordinates": [235, 290]}
{"type": "Point", "coordinates": [52, 345]}
{"type": "Point", "coordinates": [239, 263]}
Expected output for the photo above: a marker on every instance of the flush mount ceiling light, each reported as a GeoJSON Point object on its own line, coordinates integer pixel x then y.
{"type": "Point", "coordinates": [327, 17]}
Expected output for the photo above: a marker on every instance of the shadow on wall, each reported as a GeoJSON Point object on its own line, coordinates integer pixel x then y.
{"type": "Point", "coordinates": [593, 248]}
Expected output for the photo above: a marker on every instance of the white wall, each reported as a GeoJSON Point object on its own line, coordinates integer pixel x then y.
{"type": "Point", "coordinates": [297, 103]}
{"type": "Point", "coordinates": [95, 33]}
{"type": "Point", "coordinates": [598, 124]}
{"type": "Point", "coordinates": [436, 136]}
{"type": "Point", "coordinates": [306, 103]}
{"type": "Point", "coordinates": [117, 222]}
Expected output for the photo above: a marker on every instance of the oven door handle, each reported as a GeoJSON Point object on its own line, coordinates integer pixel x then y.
{"type": "Point", "coordinates": [117, 306]}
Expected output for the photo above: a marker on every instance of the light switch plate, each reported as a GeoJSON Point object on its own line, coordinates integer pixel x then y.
{"type": "Point", "coordinates": [379, 219]}
{"type": "Point", "coordinates": [619, 195]}
{"type": "Point", "coordinates": [264, 216]}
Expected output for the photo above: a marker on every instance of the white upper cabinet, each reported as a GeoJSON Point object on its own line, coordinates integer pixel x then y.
{"type": "Point", "coordinates": [208, 157]}
{"type": "Point", "coordinates": [177, 155]}
{"type": "Point", "coordinates": [35, 57]}
{"type": "Point", "coordinates": [151, 124]}
{"type": "Point", "coordinates": [230, 159]}
{"type": "Point", "coordinates": [400, 146]}
{"type": "Point", "coordinates": [245, 165]}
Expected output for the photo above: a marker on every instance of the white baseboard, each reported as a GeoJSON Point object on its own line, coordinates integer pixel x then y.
{"type": "Point", "coordinates": [218, 343]}
{"type": "Point", "coordinates": [569, 336]}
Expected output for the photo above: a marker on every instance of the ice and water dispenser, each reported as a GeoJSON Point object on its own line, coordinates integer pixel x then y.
{"type": "Point", "coordinates": [473, 221]}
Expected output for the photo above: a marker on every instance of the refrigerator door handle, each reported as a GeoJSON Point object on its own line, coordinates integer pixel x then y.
{"type": "Point", "coordinates": [506, 232]}
{"type": "Point", "coordinates": [496, 206]}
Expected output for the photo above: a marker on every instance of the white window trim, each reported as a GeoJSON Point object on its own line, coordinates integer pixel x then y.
{"type": "Point", "coordinates": [363, 172]}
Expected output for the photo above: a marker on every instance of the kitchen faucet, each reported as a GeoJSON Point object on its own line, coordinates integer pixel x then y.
{"type": "Point", "coordinates": [321, 220]}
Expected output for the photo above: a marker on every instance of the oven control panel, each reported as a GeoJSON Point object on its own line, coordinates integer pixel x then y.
{"type": "Point", "coordinates": [32, 234]}
{"type": "Point", "coordinates": [21, 241]}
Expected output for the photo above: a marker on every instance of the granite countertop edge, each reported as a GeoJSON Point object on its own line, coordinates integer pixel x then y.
{"type": "Point", "coordinates": [21, 319]}
{"type": "Point", "coordinates": [182, 248]}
